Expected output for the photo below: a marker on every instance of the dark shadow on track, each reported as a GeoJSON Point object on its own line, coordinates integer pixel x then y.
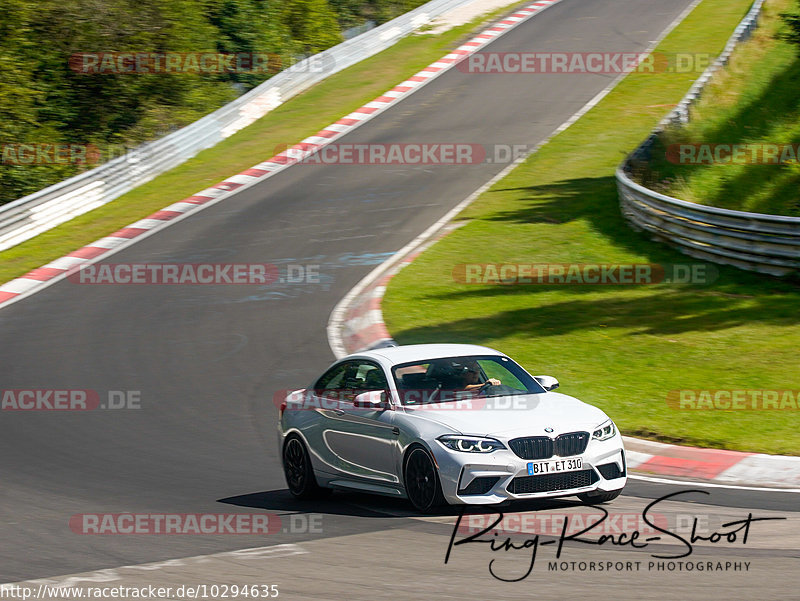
{"type": "Point", "coordinates": [374, 506]}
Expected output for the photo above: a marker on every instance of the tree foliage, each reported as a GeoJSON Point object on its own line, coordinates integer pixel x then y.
{"type": "Point", "coordinates": [312, 24]}
{"type": "Point", "coordinates": [792, 21]}
{"type": "Point", "coordinates": [45, 100]}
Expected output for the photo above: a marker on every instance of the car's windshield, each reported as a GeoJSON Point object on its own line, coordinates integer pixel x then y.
{"type": "Point", "coordinates": [453, 378]}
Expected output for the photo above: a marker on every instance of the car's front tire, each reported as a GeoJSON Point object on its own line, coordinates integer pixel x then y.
{"type": "Point", "coordinates": [298, 471]}
{"type": "Point", "coordinates": [594, 498]}
{"type": "Point", "coordinates": [422, 480]}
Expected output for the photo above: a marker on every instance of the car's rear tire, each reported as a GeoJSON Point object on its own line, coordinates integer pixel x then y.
{"type": "Point", "coordinates": [421, 480]}
{"type": "Point", "coordinates": [298, 471]}
{"type": "Point", "coordinates": [594, 498]}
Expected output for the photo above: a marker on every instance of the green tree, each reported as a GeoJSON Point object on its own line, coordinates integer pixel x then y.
{"type": "Point", "coordinates": [352, 12]}
{"type": "Point", "coordinates": [111, 107]}
{"type": "Point", "coordinates": [19, 121]}
{"type": "Point", "coordinates": [45, 98]}
{"type": "Point", "coordinates": [312, 24]}
{"type": "Point", "coordinates": [251, 26]}
{"type": "Point", "coordinates": [792, 21]}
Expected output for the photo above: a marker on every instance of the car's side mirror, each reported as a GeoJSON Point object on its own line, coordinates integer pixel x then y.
{"type": "Point", "coordinates": [372, 399]}
{"type": "Point", "coordinates": [547, 382]}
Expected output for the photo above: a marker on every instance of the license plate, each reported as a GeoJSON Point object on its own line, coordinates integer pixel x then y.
{"type": "Point", "coordinates": [536, 468]}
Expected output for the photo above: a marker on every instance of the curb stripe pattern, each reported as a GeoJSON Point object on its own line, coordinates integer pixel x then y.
{"type": "Point", "coordinates": [38, 278]}
{"type": "Point", "coordinates": [686, 461]}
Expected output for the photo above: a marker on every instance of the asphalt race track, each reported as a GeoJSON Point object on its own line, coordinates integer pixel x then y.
{"type": "Point", "coordinates": [206, 360]}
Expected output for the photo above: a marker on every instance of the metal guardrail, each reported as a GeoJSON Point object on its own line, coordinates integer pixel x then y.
{"type": "Point", "coordinates": [753, 241]}
{"type": "Point", "coordinates": [31, 215]}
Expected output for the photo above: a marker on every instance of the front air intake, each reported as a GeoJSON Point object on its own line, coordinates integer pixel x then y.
{"type": "Point", "coordinates": [552, 482]}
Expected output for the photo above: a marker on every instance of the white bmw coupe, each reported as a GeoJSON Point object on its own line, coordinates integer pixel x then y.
{"type": "Point", "coordinates": [446, 423]}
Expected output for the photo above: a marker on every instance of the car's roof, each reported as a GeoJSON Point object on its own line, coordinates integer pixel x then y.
{"type": "Point", "coordinates": [422, 352]}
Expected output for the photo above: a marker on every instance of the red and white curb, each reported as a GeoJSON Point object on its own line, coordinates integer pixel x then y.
{"type": "Point", "coordinates": [717, 465]}
{"type": "Point", "coordinates": [48, 274]}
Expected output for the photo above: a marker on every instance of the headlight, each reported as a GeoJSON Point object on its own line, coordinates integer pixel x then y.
{"type": "Point", "coordinates": [471, 444]}
{"type": "Point", "coordinates": [604, 431]}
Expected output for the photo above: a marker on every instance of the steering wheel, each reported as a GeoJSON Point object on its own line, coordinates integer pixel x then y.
{"type": "Point", "coordinates": [484, 387]}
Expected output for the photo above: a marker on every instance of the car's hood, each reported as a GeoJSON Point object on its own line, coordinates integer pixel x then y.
{"type": "Point", "coordinates": [510, 416]}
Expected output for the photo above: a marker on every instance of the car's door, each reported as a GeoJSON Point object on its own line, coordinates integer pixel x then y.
{"type": "Point", "coordinates": [363, 439]}
{"type": "Point", "coordinates": [326, 401]}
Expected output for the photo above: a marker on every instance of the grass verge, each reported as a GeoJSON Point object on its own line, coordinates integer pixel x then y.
{"type": "Point", "coordinates": [291, 122]}
{"type": "Point", "coordinates": [622, 348]}
{"type": "Point", "coordinates": [754, 101]}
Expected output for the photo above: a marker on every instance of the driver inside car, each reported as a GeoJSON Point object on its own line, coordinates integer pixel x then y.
{"type": "Point", "coordinates": [471, 377]}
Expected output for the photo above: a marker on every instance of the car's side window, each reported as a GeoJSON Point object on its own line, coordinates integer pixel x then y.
{"type": "Point", "coordinates": [350, 378]}
{"type": "Point", "coordinates": [332, 379]}
{"type": "Point", "coordinates": [372, 376]}
{"type": "Point", "coordinates": [364, 375]}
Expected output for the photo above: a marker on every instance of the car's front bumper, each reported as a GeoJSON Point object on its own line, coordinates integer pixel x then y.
{"type": "Point", "coordinates": [484, 479]}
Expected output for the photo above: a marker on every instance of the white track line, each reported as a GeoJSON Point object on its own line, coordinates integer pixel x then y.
{"type": "Point", "coordinates": [711, 484]}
